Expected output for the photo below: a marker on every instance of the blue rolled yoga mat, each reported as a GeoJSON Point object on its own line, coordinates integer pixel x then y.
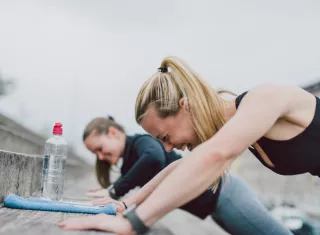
{"type": "Point", "coordinates": [17, 202]}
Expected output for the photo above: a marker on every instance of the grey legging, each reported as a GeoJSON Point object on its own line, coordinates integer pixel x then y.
{"type": "Point", "coordinates": [239, 212]}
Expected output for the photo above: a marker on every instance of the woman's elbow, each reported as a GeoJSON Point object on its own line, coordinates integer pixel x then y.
{"type": "Point", "coordinates": [218, 156]}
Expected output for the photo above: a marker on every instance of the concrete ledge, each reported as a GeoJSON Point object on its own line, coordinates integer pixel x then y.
{"type": "Point", "coordinates": [16, 138]}
{"type": "Point", "coordinates": [20, 174]}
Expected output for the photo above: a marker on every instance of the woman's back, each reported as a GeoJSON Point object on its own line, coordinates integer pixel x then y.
{"type": "Point", "coordinates": [138, 145]}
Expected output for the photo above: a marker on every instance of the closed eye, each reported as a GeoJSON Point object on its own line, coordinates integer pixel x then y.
{"type": "Point", "coordinates": [97, 150]}
{"type": "Point", "coordinates": [166, 138]}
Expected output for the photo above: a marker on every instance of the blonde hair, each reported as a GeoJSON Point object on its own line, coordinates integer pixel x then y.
{"type": "Point", "coordinates": [175, 81]}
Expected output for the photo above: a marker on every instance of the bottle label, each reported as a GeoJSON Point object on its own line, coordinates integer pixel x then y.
{"type": "Point", "coordinates": [56, 169]}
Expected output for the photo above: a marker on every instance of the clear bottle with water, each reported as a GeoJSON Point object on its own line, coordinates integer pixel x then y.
{"type": "Point", "coordinates": [54, 165]}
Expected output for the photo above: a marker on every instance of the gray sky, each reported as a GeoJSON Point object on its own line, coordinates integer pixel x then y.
{"type": "Point", "coordinates": [75, 60]}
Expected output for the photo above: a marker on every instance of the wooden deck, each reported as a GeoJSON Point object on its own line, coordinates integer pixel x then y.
{"type": "Point", "coordinates": [34, 222]}
{"type": "Point", "coordinates": [27, 222]}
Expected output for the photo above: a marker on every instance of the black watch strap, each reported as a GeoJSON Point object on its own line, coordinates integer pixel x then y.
{"type": "Point", "coordinates": [112, 192]}
{"type": "Point", "coordinates": [138, 226]}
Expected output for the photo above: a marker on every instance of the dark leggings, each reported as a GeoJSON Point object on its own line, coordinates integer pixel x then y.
{"type": "Point", "coordinates": [239, 212]}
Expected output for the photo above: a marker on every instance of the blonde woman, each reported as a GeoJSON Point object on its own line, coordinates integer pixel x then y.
{"type": "Point", "coordinates": [143, 157]}
{"type": "Point", "coordinates": [280, 124]}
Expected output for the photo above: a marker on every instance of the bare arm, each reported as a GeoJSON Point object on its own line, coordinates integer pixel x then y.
{"type": "Point", "coordinates": [258, 112]}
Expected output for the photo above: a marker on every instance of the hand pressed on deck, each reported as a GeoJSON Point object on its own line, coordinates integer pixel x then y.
{"type": "Point", "coordinates": [110, 223]}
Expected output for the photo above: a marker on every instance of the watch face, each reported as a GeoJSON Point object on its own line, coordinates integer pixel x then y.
{"type": "Point", "coordinates": [112, 191]}
{"type": "Point", "coordinates": [110, 187]}
{"type": "Point", "coordinates": [135, 221]}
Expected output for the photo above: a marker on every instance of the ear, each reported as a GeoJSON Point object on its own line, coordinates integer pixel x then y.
{"type": "Point", "coordinates": [184, 103]}
{"type": "Point", "coordinates": [113, 131]}
{"type": "Point", "coordinates": [94, 133]}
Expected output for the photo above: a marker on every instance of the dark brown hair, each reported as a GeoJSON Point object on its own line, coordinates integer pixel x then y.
{"type": "Point", "coordinates": [101, 125]}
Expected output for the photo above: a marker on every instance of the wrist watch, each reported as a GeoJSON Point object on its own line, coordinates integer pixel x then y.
{"type": "Point", "coordinates": [112, 192]}
{"type": "Point", "coordinates": [137, 224]}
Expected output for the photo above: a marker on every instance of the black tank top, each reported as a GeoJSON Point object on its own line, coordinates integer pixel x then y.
{"type": "Point", "coordinates": [300, 154]}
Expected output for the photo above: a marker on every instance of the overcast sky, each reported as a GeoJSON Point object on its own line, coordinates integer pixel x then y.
{"type": "Point", "coordinates": [74, 60]}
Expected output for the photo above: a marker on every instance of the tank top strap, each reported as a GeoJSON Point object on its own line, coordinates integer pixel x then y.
{"type": "Point", "coordinates": [239, 98]}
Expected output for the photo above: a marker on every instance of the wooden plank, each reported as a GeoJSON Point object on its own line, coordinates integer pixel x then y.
{"type": "Point", "coordinates": [35, 222]}
{"type": "Point", "coordinates": [25, 222]}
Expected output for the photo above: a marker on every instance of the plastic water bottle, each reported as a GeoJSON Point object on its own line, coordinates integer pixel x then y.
{"type": "Point", "coordinates": [54, 165]}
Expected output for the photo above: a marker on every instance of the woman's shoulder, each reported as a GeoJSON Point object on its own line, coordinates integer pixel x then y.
{"type": "Point", "coordinates": [271, 91]}
{"type": "Point", "coordinates": [145, 141]}
{"type": "Point", "coordinates": [286, 100]}
{"type": "Point", "coordinates": [139, 136]}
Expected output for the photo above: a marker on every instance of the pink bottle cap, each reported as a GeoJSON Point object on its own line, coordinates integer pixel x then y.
{"type": "Point", "coordinates": [57, 129]}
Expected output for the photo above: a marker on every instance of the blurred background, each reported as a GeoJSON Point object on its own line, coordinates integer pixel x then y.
{"type": "Point", "coordinates": [70, 61]}
{"type": "Point", "coordinates": [73, 60]}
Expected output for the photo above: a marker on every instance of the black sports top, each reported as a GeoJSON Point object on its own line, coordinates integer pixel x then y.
{"type": "Point", "coordinates": [300, 154]}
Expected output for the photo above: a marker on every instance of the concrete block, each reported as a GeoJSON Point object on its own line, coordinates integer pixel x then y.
{"type": "Point", "coordinates": [19, 174]}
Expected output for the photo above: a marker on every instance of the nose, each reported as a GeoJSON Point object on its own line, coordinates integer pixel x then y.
{"type": "Point", "coordinates": [168, 147]}
{"type": "Point", "coordinates": [100, 156]}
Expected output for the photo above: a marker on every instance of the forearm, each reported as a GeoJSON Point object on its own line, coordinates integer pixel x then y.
{"type": "Point", "coordinates": [148, 188]}
{"type": "Point", "coordinates": [191, 178]}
